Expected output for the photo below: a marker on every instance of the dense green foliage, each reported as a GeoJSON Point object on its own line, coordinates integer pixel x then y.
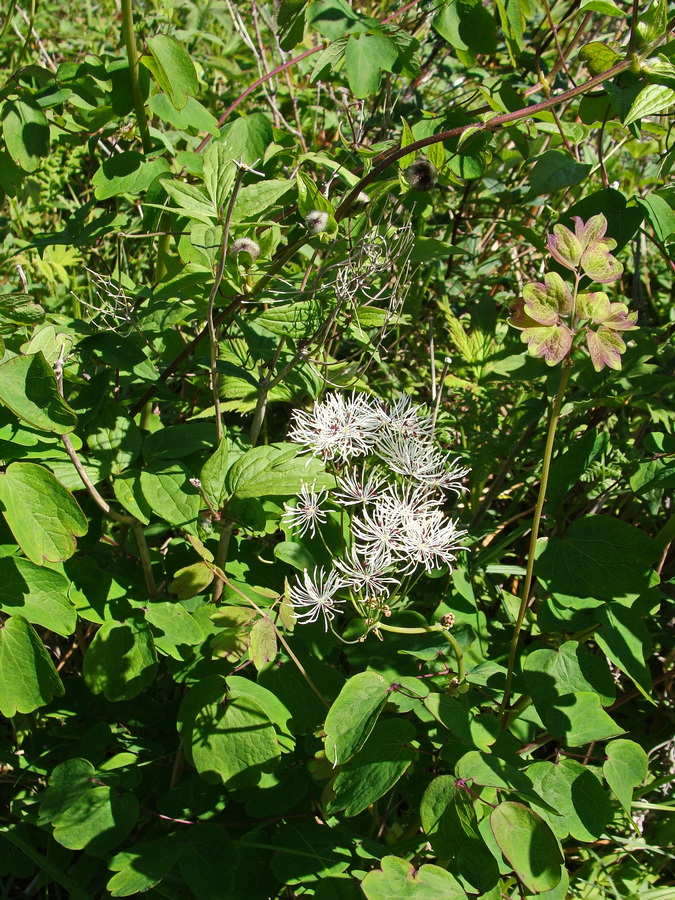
{"type": "Point", "coordinates": [234, 239]}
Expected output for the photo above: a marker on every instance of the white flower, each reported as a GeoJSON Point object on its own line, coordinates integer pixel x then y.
{"type": "Point", "coordinates": [337, 428]}
{"type": "Point", "coordinates": [367, 576]}
{"type": "Point", "coordinates": [410, 501]}
{"type": "Point", "coordinates": [408, 456]}
{"type": "Point", "coordinates": [316, 596]}
{"type": "Point", "coordinates": [431, 541]}
{"type": "Point", "coordinates": [377, 533]}
{"type": "Point", "coordinates": [406, 419]}
{"type": "Point", "coordinates": [442, 479]}
{"type": "Point", "coordinates": [307, 510]}
{"type": "Point", "coordinates": [357, 487]}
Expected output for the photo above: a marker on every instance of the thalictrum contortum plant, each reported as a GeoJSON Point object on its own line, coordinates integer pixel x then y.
{"type": "Point", "coordinates": [392, 483]}
{"type": "Point", "coordinates": [551, 315]}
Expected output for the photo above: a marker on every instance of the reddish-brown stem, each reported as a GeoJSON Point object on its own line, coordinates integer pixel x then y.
{"type": "Point", "coordinates": [393, 155]}
{"type": "Point", "coordinates": [282, 68]}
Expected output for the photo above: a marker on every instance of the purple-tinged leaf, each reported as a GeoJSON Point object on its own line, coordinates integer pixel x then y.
{"type": "Point", "coordinates": [553, 343]}
{"type": "Point", "coordinates": [605, 347]}
{"type": "Point", "coordinates": [599, 264]}
{"type": "Point", "coordinates": [538, 305]}
{"type": "Point", "coordinates": [593, 230]}
{"type": "Point", "coordinates": [619, 319]}
{"type": "Point", "coordinates": [565, 247]}
{"type": "Point", "coordinates": [519, 318]}
{"type": "Point", "coordinates": [594, 306]}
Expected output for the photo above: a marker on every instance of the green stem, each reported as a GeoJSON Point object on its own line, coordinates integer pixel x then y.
{"type": "Point", "coordinates": [432, 629]}
{"type": "Point", "coordinates": [43, 863]}
{"type": "Point", "coordinates": [524, 601]}
{"type": "Point", "coordinates": [132, 56]}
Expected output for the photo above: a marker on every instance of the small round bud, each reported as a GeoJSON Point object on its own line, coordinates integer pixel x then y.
{"type": "Point", "coordinates": [362, 200]}
{"type": "Point", "coordinates": [245, 245]}
{"type": "Point", "coordinates": [447, 621]}
{"type": "Point", "coordinates": [316, 221]}
{"type": "Point", "coordinates": [421, 175]}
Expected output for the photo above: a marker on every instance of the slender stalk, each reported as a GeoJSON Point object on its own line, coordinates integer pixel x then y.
{"type": "Point", "coordinates": [432, 629]}
{"type": "Point", "coordinates": [527, 586]}
{"type": "Point", "coordinates": [132, 55]}
{"type": "Point", "coordinates": [491, 125]}
{"type": "Point", "coordinates": [211, 323]}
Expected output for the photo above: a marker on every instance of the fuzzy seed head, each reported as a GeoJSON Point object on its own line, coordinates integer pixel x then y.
{"type": "Point", "coordinates": [316, 221]}
{"type": "Point", "coordinates": [245, 245]}
{"type": "Point", "coordinates": [421, 175]}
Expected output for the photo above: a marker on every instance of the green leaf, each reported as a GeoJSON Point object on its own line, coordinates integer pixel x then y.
{"type": "Point", "coordinates": [551, 674]}
{"type": "Point", "coordinates": [598, 57]}
{"type": "Point", "coordinates": [353, 715]}
{"type": "Point", "coordinates": [652, 23]}
{"type": "Point", "coordinates": [308, 853]}
{"type": "Point", "coordinates": [263, 647]}
{"type": "Point", "coordinates": [98, 821]}
{"type": "Point", "coordinates": [168, 492]}
{"type": "Point", "coordinates": [37, 593]}
{"type": "Point", "coordinates": [489, 770]}
{"type": "Point", "coordinates": [273, 470]}
{"type": "Point", "coordinates": [121, 660]}
{"type": "Point", "coordinates": [191, 580]}
{"type": "Point", "coordinates": [407, 137]}
{"type": "Point", "coordinates": [375, 769]}
{"type": "Point", "coordinates": [255, 200]}
{"type": "Point", "coordinates": [625, 639]}
{"type": "Point", "coordinates": [192, 117]}
{"type": "Point", "coordinates": [206, 843]}
{"type": "Point", "coordinates": [28, 387]}
{"type": "Point", "coordinates": [126, 173]}
{"type": "Point", "coordinates": [625, 768]}
{"type": "Point", "coordinates": [192, 201]}
{"type": "Point", "coordinates": [21, 309]}
{"type": "Point", "coordinates": [573, 790]}
{"type": "Point", "coordinates": [228, 739]}
{"type": "Point", "coordinates": [528, 843]}
{"type": "Point", "coordinates": [467, 26]}
{"type": "Point", "coordinates": [175, 625]}
{"type": "Point", "coordinates": [511, 17]}
{"type": "Point", "coordinates": [400, 880]}
{"type": "Point", "coordinates": [26, 132]}
{"type": "Point", "coordinates": [573, 461]}
{"type": "Point", "coordinates": [173, 68]}
{"type": "Point", "coordinates": [605, 7]}
{"type": "Point", "coordinates": [271, 705]}
{"type": "Point", "coordinates": [651, 100]}
{"type": "Point", "coordinates": [449, 821]}
{"type": "Point", "coordinates": [600, 556]}
{"type": "Point", "coordinates": [296, 555]}
{"type": "Point", "coordinates": [246, 140]}
{"type": "Point", "coordinates": [28, 679]}
{"type": "Point", "coordinates": [114, 438]}
{"type": "Point", "coordinates": [291, 22]}
{"type": "Point", "coordinates": [144, 866]}
{"type": "Point", "coordinates": [127, 489]}
{"type": "Point", "coordinates": [48, 534]}
{"type": "Point", "coordinates": [555, 170]}
{"type": "Point", "coordinates": [68, 782]}
{"type": "Point", "coordinates": [661, 215]}
{"type": "Point", "coordinates": [365, 57]}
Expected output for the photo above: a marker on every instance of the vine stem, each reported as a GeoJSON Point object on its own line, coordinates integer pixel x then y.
{"type": "Point", "coordinates": [132, 55]}
{"type": "Point", "coordinates": [524, 600]}
{"type": "Point", "coordinates": [495, 122]}
{"type": "Point", "coordinates": [432, 629]}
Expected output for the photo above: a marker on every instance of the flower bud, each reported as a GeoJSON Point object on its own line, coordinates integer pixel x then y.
{"type": "Point", "coordinates": [421, 175]}
{"type": "Point", "coordinates": [245, 245]}
{"type": "Point", "coordinates": [316, 221]}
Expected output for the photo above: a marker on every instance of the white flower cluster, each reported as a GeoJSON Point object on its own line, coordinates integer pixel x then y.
{"type": "Point", "coordinates": [391, 481]}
